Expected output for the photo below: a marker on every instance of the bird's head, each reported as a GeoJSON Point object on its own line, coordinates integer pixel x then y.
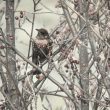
{"type": "Point", "coordinates": [42, 34]}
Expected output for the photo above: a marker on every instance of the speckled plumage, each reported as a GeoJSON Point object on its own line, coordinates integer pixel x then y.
{"type": "Point", "coordinates": [41, 51]}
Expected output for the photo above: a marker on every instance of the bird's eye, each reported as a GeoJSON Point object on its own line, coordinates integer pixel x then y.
{"type": "Point", "coordinates": [41, 33]}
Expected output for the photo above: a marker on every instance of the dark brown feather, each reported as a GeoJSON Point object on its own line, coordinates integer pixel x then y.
{"type": "Point", "coordinates": [41, 52]}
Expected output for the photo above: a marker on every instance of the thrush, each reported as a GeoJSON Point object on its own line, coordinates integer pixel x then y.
{"type": "Point", "coordinates": [41, 50]}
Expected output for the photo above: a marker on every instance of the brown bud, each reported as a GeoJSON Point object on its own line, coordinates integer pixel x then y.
{"type": "Point", "coordinates": [66, 66]}
{"type": "Point", "coordinates": [21, 16]}
{"type": "Point", "coordinates": [23, 63]}
{"type": "Point", "coordinates": [57, 32]}
{"type": "Point", "coordinates": [79, 97]}
{"type": "Point", "coordinates": [16, 17]}
{"type": "Point", "coordinates": [6, 17]}
{"type": "Point", "coordinates": [21, 12]}
{"type": "Point", "coordinates": [18, 67]}
{"type": "Point", "coordinates": [66, 71]}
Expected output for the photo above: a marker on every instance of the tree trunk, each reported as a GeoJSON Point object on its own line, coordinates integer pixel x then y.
{"type": "Point", "coordinates": [83, 56]}
{"type": "Point", "coordinates": [11, 61]}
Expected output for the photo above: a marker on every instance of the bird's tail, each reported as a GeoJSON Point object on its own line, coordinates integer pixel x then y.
{"type": "Point", "coordinates": [36, 71]}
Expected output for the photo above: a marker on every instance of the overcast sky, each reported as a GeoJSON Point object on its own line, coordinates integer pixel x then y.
{"type": "Point", "coordinates": [48, 21]}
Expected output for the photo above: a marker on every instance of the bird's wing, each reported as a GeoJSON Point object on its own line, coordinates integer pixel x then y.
{"type": "Point", "coordinates": [34, 54]}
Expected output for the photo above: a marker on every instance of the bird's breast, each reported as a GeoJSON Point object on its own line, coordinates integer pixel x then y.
{"type": "Point", "coordinates": [41, 42]}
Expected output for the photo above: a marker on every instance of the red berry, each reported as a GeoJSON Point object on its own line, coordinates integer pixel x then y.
{"type": "Point", "coordinates": [2, 47]}
{"type": "Point", "coordinates": [11, 37]}
{"type": "Point", "coordinates": [77, 62]}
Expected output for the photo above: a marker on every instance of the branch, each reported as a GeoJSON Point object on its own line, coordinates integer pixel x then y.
{"type": "Point", "coordinates": [39, 69]}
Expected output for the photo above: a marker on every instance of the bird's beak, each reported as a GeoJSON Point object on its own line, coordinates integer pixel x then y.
{"type": "Point", "coordinates": [37, 29]}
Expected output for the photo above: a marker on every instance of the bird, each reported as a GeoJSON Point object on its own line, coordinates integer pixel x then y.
{"type": "Point", "coordinates": [41, 49]}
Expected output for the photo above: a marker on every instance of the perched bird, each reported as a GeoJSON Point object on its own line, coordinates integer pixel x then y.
{"type": "Point", "coordinates": [41, 49]}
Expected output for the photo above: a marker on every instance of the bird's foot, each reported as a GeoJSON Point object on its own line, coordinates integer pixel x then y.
{"type": "Point", "coordinates": [40, 76]}
{"type": "Point", "coordinates": [35, 71]}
